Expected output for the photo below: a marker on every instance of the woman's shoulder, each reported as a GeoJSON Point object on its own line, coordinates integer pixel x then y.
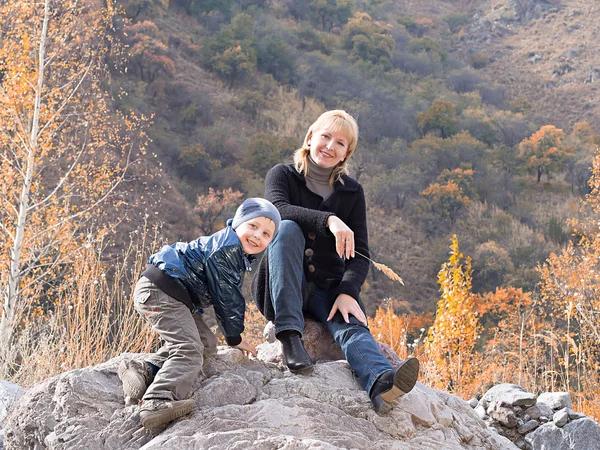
{"type": "Point", "coordinates": [286, 171]}
{"type": "Point", "coordinates": [350, 183]}
{"type": "Point", "coordinates": [282, 169]}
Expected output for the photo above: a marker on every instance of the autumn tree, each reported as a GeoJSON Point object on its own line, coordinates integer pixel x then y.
{"type": "Point", "coordinates": [369, 40]}
{"type": "Point", "coordinates": [394, 187]}
{"type": "Point", "coordinates": [63, 153]}
{"type": "Point", "coordinates": [441, 117]}
{"type": "Point", "coordinates": [450, 193]}
{"type": "Point", "coordinates": [147, 8]}
{"type": "Point", "coordinates": [232, 53]}
{"type": "Point", "coordinates": [330, 13]}
{"type": "Point", "coordinates": [492, 263]}
{"type": "Point", "coordinates": [265, 150]}
{"type": "Point", "coordinates": [148, 51]}
{"type": "Point", "coordinates": [210, 208]}
{"type": "Point", "coordinates": [451, 341]}
{"type": "Point", "coordinates": [583, 142]}
{"type": "Point", "coordinates": [512, 350]}
{"type": "Point", "coordinates": [194, 162]}
{"type": "Point", "coordinates": [199, 7]}
{"type": "Point", "coordinates": [570, 300]}
{"type": "Point", "coordinates": [545, 150]}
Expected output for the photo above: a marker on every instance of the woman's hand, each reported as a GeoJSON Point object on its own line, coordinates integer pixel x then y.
{"type": "Point", "coordinates": [344, 237]}
{"type": "Point", "coordinates": [246, 347]}
{"type": "Point", "coordinates": [346, 304]}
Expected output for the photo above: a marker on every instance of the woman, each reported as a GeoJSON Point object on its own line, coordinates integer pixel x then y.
{"type": "Point", "coordinates": [313, 265]}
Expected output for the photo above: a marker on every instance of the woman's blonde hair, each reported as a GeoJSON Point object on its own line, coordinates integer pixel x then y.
{"type": "Point", "coordinates": [334, 121]}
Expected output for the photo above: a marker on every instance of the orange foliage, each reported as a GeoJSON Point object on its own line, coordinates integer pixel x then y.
{"type": "Point", "coordinates": [544, 150]}
{"type": "Point", "coordinates": [211, 206]}
{"type": "Point", "coordinates": [63, 153]}
{"type": "Point", "coordinates": [402, 333]}
{"type": "Point", "coordinates": [441, 116]}
{"type": "Point", "coordinates": [446, 199]}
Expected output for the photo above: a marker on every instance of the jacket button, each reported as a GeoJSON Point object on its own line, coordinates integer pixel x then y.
{"type": "Point", "coordinates": [312, 235]}
{"type": "Point", "coordinates": [309, 252]}
{"type": "Point", "coordinates": [311, 268]}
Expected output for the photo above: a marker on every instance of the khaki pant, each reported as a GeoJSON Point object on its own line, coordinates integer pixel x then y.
{"type": "Point", "coordinates": [187, 339]}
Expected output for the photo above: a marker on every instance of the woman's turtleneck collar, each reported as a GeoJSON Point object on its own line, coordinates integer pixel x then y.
{"type": "Point", "coordinates": [318, 173]}
{"type": "Point", "coordinates": [317, 179]}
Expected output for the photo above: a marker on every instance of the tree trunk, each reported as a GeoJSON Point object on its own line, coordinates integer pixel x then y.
{"type": "Point", "coordinates": [12, 301]}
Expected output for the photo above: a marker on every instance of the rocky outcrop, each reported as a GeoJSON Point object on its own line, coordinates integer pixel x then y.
{"type": "Point", "coordinates": [245, 404]}
{"type": "Point", "coordinates": [526, 10]}
{"type": "Point", "coordinates": [537, 423]}
{"type": "Point", "coordinates": [9, 394]}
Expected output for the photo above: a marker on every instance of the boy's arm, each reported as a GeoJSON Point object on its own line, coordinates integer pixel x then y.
{"type": "Point", "coordinates": [225, 286]}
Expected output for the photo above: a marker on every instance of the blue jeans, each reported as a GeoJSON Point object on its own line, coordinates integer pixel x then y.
{"type": "Point", "coordinates": [292, 296]}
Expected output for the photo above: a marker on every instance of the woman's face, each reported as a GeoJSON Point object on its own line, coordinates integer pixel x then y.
{"type": "Point", "coordinates": [328, 148]}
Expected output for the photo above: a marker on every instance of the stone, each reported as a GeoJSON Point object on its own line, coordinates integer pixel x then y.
{"type": "Point", "coordinates": [481, 411]}
{"type": "Point", "coordinates": [245, 404]}
{"type": "Point", "coordinates": [503, 415]}
{"type": "Point", "coordinates": [528, 426]}
{"type": "Point", "coordinates": [319, 344]}
{"type": "Point", "coordinates": [579, 434]}
{"type": "Point", "coordinates": [9, 393]}
{"type": "Point", "coordinates": [575, 415]}
{"type": "Point", "coordinates": [473, 403]}
{"type": "Point", "coordinates": [561, 417]}
{"type": "Point", "coordinates": [538, 410]}
{"type": "Point", "coordinates": [510, 394]}
{"type": "Point", "coordinates": [556, 400]}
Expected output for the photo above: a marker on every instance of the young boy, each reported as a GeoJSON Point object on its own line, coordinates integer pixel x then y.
{"type": "Point", "coordinates": [178, 282]}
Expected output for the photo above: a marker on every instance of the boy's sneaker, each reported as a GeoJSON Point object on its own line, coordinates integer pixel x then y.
{"type": "Point", "coordinates": [157, 413]}
{"type": "Point", "coordinates": [136, 377]}
{"type": "Point", "coordinates": [393, 384]}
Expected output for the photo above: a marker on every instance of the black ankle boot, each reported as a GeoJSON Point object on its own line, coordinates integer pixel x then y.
{"type": "Point", "coordinates": [294, 355]}
{"type": "Point", "coordinates": [393, 384]}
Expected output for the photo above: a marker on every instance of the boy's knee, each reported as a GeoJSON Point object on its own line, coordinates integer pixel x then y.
{"type": "Point", "coordinates": [210, 345]}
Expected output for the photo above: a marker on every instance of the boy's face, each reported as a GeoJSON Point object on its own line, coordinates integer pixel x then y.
{"type": "Point", "coordinates": [255, 234]}
{"type": "Point", "coordinates": [328, 148]}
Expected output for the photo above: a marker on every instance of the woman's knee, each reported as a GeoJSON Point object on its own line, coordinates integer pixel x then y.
{"type": "Point", "coordinates": [289, 233]}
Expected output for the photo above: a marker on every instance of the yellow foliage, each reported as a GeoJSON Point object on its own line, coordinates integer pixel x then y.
{"type": "Point", "coordinates": [455, 331]}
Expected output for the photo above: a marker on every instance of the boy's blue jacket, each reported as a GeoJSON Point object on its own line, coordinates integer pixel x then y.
{"type": "Point", "coordinates": [211, 269]}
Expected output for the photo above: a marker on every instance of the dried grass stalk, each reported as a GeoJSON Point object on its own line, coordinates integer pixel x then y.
{"type": "Point", "coordinates": [383, 268]}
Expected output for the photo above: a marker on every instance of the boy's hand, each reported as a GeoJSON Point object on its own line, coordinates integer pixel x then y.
{"type": "Point", "coordinates": [247, 347]}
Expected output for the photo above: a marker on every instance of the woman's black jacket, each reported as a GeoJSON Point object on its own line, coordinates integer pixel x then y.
{"type": "Point", "coordinates": [286, 188]}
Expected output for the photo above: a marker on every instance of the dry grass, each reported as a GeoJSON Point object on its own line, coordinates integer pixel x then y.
{"type": "Point", "coordinates": [92, 321]}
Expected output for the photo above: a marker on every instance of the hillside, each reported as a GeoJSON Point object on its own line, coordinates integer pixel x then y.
{"type": "Point", "coordinates": [221, 126]}
{"type": "Point", "coordinates": [551, 60]}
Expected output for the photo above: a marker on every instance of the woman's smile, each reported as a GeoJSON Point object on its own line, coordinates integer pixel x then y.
{"type": "Point", "coordinates": [328, 148]}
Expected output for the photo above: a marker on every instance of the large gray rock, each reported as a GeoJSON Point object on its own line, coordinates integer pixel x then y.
{"type": "Point", "coordinates": [582, 434]}
{"type": "Point", "coordinates": [556, 400]}
{"type": "Point", "coordinates": [245, 404]}
{"type": "Point", "coordinates": [509, 395]}
{"type": "Point", "coordinates": [9, 393]}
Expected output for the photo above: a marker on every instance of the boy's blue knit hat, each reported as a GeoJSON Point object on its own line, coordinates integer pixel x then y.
{"type": "Point", "coordinates": [256, 207]}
